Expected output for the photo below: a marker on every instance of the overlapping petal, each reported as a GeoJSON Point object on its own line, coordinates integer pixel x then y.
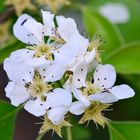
{"type": "Point", "coordinates": [35, 107]}
{"type": "Point", "coordinates": [59, 97]}
{"type": "Point", "coordinates": [57, 114]}
{"type": "Point", "coordinates": [105, 76]}
{"type": "Point", "coordinates": [28, 30]}
{"type": "Point", "coordinates": [17, 93]}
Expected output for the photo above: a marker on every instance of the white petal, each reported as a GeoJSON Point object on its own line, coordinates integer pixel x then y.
{"type": "Point", "coordinates": [28, 33]}
{"type": "Point", "coordinates": [37, 62]}
{"type": "Point", "coordinates": [21, 55]}
{"type": "Point", "coordinates": [16, 93]}
{"type": "Point", "coordinates": [35, 107]}
{"type": "Point", "coordinates": [48, 21]}
{"type": "Point", "coordinates": [35, 28]}
{"type": "Point", "coordinates": [90, 56]}
{"type": "Point", "coordinates": [16, 67]}
{"type": "Point", "coordinates": [18, 73]}
{"type": "Point", "coordinates": [122, 91]}
{"type": "Point", "coordinates": [76, 46]}
{"type": "Point", "coordinates": [77, 108]}
{"type": "Point", "coordinates": [103, 97]}
{"type": "Point", "coordinates": [59, 97]}
{"type": "Point", "coordinates": [55, 72]}
{"type": "Point", "coordinates": [79, 75]}
{"type": "Point", "coordinates": [105, 76]}
{"type": "Point", "coordinates": [48, 18]}
{"type": "Point", "coordinates": [56, 115]}
{"type": "Point", "coordinates": [80, 97]}
{"type": "Point", "coordinates": [115, 12]}
{"type": "Point", "coordinates": [66, 27]}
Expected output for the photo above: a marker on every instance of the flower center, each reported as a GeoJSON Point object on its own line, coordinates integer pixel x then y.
{"type": "Point", "coordinates": [38, 87]}
{"type": "Point", "coordinates": [90, 89]}
{"type": "Point", "coordinates": [48, 125]}
{"type": "Point", "coordinates": [43, 50]}
{"type": "Point", "coordinates": [94, 112]}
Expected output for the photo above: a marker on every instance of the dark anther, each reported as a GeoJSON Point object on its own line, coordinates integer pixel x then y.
{"type": "Point", "coordinates": [24, 22]}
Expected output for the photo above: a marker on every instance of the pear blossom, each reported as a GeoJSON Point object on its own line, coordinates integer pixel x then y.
{"type": "Point", "coordinates": [115, 12]}
{"type": "Point", "coordinates": [67, 46]}
{"type": "Point", "coordinates": [31, 32]}
{"type": "Point", "coordinates": [51, 76]}
{"type": "Point", "coordinates": [28, 84]}
{"type": "Point", "coordinates": [101, 90]}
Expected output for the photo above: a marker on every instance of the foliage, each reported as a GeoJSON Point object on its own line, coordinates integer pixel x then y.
{"type": "Point", "coordinates": [7, 120]}
{"type": "Point", "coordinates": [124, 130]}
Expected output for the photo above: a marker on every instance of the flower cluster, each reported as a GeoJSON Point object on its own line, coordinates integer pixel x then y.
{"type": "Point", "coordinates": [58, 73]}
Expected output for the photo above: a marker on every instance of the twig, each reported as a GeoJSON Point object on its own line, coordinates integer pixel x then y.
{"type": "Point", "coordinates": [6, 14]}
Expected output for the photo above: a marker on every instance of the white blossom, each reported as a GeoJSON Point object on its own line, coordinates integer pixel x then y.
{"type": "Point", "coordinates": [115, 12]}
{"type": "Point", "coordinates": [67, 47]}
{"type": "Point", "coordinates": [28, 85]}
{"type": "Point", "coordinates": [101, 90]}
{"type": "Point", "coordinates": [31, 32]}
{"type": "Point", "coordinates": [57, 52]}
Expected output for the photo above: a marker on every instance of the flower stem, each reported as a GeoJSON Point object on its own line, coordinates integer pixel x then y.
{"type": "Point", "coordinates": [40, 136]}
{"type": "Point", "coordinates": [69, 133]}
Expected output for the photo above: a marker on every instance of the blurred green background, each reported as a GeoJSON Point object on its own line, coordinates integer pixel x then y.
{"type": "Point", "coordinates": [121, 48]}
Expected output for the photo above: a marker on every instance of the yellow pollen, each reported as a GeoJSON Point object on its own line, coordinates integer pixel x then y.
{"type": "Point", "coordinates": [43, 50]}
{"type": "Point", "coordinates": [48, 125]}
{"type": "Point", "coordinates": [94, 113]}
{"type": "Point", "coordinates": [90, 89]}
{"type": "Point", "coordinates": [38, 87]}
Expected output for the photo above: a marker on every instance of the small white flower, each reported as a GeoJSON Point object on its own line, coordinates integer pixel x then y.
{"type": "Point", "coordinates": [65, 57]}
{"type": "Point", "coordinates": [59, 101]}
{"type": "Point", "coordinates": [64, 53]}
{"type": "Point", "coordinates": [66, 27]}
{"type": "Point", "coordinates": [79, 65]}
{"type": "Point", "coordinates": [115, 12]}
{"type": "Point", "coordinates": [31, 32]}
{"type": "Point", "coordinates": [101, 90]}
{"type": "Point", "coordinates": [29, 84]}
{"type": "Point", "coordinates": [21, 63]}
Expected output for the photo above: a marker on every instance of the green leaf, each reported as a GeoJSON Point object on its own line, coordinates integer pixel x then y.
{"type": "Point", "coordinates": [84, 133]}
{"type": "Point", "coordinates": [111, 35]}
{"type": "Point", "coordinates": [5, 51]}
{"type": "Point", "coordinates": [124, 130]}
{"type": "Point", "coordinates": [126, 59]}
{"type": "Point", "coordinates": [7, 120]}
{"type": "Point", "coordinates": [2, 5]}
{"type": "Point", "coordinates": [78, 133]}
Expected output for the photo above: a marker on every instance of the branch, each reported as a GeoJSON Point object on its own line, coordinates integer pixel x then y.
{"type": "Point", "coordinates": [7, 14]}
